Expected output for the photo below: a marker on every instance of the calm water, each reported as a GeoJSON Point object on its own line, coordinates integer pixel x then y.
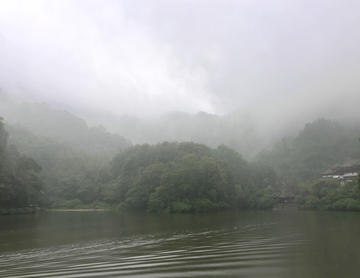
{"type": "Point", "coordinates": [240, 244]}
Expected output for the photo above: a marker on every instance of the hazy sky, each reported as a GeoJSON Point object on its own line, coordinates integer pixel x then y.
{"type": "Point", "coordinates": [149, 57]}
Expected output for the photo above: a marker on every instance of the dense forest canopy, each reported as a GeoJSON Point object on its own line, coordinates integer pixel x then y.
{"type": "Point", "coordinates": [318, 146]}
{"type": "Point", "coordinates": [20, 182]}
{"type": "Point", "coordinates": [177, 177]}
{"type": "Point", "coordinates": [51, 158]}
{"type": "Point", "coordinates": [299, 162]}
{"type": "Point", "coordinates": [186, 177]}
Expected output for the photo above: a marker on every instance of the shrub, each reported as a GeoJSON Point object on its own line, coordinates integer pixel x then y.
{"type": "Point", "coordinates": [203, 205]}
{"type": "Point", "coordinates": [223, 206]}
{"type": "Point", "coordinates": [266, 202]}
{"type": "Point", "coordinates": [339, 205]}
{"type": "Point", "coordinates": [300, 200]}
{"type": "Point", "coordinates": [347, 204]}
{"type": "Point", "coordinates": [12, 211]}
{"type": "Point", "coordinates": [67, 204]}
{"type": "Point", "coordinates": [353, 205]}
{"type": "Point", "coordinates": [312, 202]}
{"type": "Point", "coordinates": [20, 210]}
{"type": "Point", "coordinates": [181, 207]}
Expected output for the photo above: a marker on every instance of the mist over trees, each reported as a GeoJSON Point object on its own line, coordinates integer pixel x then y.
{"type": "Point", "coordinates": [185, 177]}
{"type": "Point", "coordinates": [318, 146]}
{"type": "Point", "coordinates": [177, 177]}
{"type": "Point", "coordinates": [51, 158]}
{"type": "Point", "coordinates": [64, 127]}
{"type": "Point", "coordinates": [20, 182]}
{"type": "Point", "coordinates": [240, 131]}
{"type": "Point", "coordinates": [300, 160]}
{"type": "Point", "coordinates": [80, 100]}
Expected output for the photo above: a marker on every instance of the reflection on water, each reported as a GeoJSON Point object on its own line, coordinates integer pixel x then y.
{"type": "Point", "coordinates": [241, 244]}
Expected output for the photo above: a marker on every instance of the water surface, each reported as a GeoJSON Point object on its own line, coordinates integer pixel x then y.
{"type": "Point", "coordinates": [231, 244]}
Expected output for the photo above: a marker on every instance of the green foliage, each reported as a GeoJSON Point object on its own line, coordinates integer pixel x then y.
{"type": "Point", "coordinates": [318, 146]}
{"type": "Point", "coordinates": [66, 173]}
{"type": "Point", "coordinates": [205, 205]}
{"type": "Point", "coordinates": [175, 177]}
{"type": "Point", "coordinates": [182, 207]}
{"type": "Point", "coordinates": [3, 145]}
{"type": "Point", "coordinates": [194, 181]}
{"type": "Point", "coordinates": [185, 177]}
{"type": "Point", "coordinates": [20, 181]}
{"type": "Point", "coordinates": [346, 204]}
{"type": "Point", "coordinates": [353, 205]}
{"type": "Point", "coordinates": [329, 195]}
{"type": "Point", "coordinates": [77, 204]}
{"type": "Point", "coordinates": [266, 202]}
{"type": "Point", "coordinates": [312, 202]}
{"type": "Point", "coordinates": [67, 204]}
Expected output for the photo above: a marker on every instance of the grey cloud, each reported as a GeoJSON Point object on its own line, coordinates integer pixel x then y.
{"type": "Point", "coordinates": [149, 57]}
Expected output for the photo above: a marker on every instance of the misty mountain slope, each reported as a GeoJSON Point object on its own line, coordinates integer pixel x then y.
{"type": "Point", "coordinates": [62, 126]}
{"type": "Point", "coordinates": [44, 150]}
{"type": "Point", "coordinates": [236, 130]}
{"type": "Point", "coordinates": [194, 176]}
{"type": "Point", "coordinates": [318, 146]}
{"type": "Point", "coordinates": [20, 182]}
{"type": "Point", "coordinates": [66, 172]}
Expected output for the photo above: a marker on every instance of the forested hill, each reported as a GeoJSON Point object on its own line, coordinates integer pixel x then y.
{"type": "Point", "coordinates": [20, 182]}
{"type": "Point", "coordinates": [63, 127]}
{"type": "Point", "coordinates": [239, 130]}
{"type": "Point", "coordinates": [177, 177]}
{"type": "Point", "coordinates": [52, 159]}
{"type": "Point", "coordinates": [318, 146]}
{"type": "Point", "coordinates": [184, 177]}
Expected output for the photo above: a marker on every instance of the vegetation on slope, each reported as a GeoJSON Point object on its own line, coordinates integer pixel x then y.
{"type": "Point", "coordinates": [299, 161]}
{"type": "Point", "coordinates": [176, 177]}
{"type": "Point", "coordinates": [63, 127]}
{"type": "Point", "coordinates": [184, 177]}
{"type": "Point", "coordinates": [20, 183]}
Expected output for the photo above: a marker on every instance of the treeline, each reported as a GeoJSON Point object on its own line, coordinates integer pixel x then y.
{"type": "Point", "coordinates": [185, 177]}
{"type": "Point", "coordinates": [328, 195]}
{"type": "Point", "coordinates": [92, 168]}
{"type": "Point", "coordinates": [176, 177]}
{"type": "Point", "coordinates": [299, 161]}
{"type": "Point", "coordinates": [21, 186]}
{"type": "Point", "coordinates": [67, 173]}
{"type": "Point", "coordinates": [317, 147]}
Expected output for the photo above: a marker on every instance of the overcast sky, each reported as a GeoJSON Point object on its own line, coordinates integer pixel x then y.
{"type": "Point", "coordinates": [148, 57]}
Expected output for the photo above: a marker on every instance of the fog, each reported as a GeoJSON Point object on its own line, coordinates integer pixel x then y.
{"type": "Point", "coordinates": [280, 63]}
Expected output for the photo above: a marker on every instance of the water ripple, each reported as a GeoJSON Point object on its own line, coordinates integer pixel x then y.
{"type": "Point", "coordinates": [224, 253]}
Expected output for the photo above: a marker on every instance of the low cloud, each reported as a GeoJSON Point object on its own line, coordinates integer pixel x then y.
{"type": "Point", "coordinates": [151, 57]}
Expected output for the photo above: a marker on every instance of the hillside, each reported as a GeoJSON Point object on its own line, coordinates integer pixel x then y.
{"type": "Point", "coordinates": [63, 127]}
{"type": "Point", "coordinates": [176, 177]}
{"type": "Point", "coordinates": [21, 185]}
{"type": "Point", "coordinates": [318, 146]}
{"type": "Point", "coordinates": [71, 161]}
{"type": "Point", "coordinates": [240, 131]}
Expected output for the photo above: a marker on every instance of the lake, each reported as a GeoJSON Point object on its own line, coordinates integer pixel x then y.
{"type": "Point", "coordinates": [228, 244]}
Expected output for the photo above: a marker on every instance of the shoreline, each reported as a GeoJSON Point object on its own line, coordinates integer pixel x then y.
{"type": "Point", "coordinates": [78, 210]}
